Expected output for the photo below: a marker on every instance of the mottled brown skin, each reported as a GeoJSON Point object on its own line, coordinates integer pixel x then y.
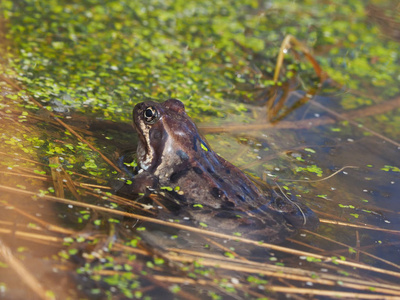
{"type": "Point", "coordinates": [171, 152]}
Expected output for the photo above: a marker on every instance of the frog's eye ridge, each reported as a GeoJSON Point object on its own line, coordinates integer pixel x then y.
{"type": "Point", "coordinates": [150, 114]}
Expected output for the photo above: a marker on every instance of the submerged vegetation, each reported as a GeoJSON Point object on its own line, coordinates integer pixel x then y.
{"type": "Point", "coordinates": [71, 73]}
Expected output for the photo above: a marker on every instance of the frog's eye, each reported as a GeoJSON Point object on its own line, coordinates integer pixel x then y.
{"type": "Point", "coordinates": [150, 114]}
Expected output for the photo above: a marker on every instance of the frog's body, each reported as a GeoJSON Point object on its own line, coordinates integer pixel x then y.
{"type": "Point", "coordinates": [172, 153]}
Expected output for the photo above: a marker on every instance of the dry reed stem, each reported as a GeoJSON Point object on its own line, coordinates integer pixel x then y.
{"type": "Point", "coordinates": [48, 179]}
{"type": "Point", "coordinates": [164, 285]}
{"type": "Point", "coordinates": [292, 274]}
{"type": "Point", "coordinates": [357, 248]}
{"type": "Point", "coordinates": [89, 185]}
{"type": "Point", "coordinates": [38, 177]}
{"type": "Point", "coordinates": [253, 265]}
{"type": "Point", "coordinates": [305, 245]}
{"type": "Point", "coordinates": [25, 276]}
{"type": "Point", "coordinates": [97, 179]}
{"type": "Point", "coordinates": [123, 201]}
{"type": "Point", "coordinates": [225, 249]}
{"type": "Point", "coordinates": [43, 224]}
{"type": "Point", "coordinates": [59, 177]}
{"type": "Point", "coordinates": [286, 44]}
{"type": "Point", "coordinates": [57, 240]}
{"type": "Point", "coordinates": [337, 294]}
{"type": "Point", "coordinates": [118, 246]}
{"type": "Point", "coordinates": [50, 227]}
{"type": "Point", "coordinates": [358, 226]}
{"type": "Point", "coordinates": [24, 234]}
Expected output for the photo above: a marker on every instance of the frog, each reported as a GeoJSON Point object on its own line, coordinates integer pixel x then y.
{"type": "Point", "coordinates": [175, 159]}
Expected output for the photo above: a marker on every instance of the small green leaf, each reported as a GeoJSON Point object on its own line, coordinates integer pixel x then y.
{"type": "Point", "coordinates": [158, 261]}
{"type": "Point", "coordinates": [203, 147]}
{"type": "Point", "coordinates": [68, 240]}
{"type": "Point", "coordinates": [174, 288]}
{"type": "Point", "coordinates": [39, 172]}
{"type": "Point", "coordinates": [168, 188]}
{"type": "Point", "coordinates": [72, 251]}
{"type": "Point", "coordinates": [21, 249]}
{"type": "Point", "coordinates": [309, 150]}
{"type": "Point", "coordinates": [80, 239]}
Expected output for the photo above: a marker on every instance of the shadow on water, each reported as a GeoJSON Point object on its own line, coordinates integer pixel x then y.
{"type": "Point", "coordinates": [64, 232]}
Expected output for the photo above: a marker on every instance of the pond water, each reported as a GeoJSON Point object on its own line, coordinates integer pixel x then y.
{"type": "Point", "coordinates": [71, 74]}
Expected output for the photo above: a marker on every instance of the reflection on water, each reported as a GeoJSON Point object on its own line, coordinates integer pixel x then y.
{"type": "Point", "coordinates": [65, 233]}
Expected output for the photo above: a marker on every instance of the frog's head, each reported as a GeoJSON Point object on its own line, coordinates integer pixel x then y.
{"type": "Point", "coordinates": [164, 130]}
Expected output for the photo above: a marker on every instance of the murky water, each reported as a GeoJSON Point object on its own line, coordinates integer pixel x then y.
{"type": "Point", "coordinates": [65, 233]}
